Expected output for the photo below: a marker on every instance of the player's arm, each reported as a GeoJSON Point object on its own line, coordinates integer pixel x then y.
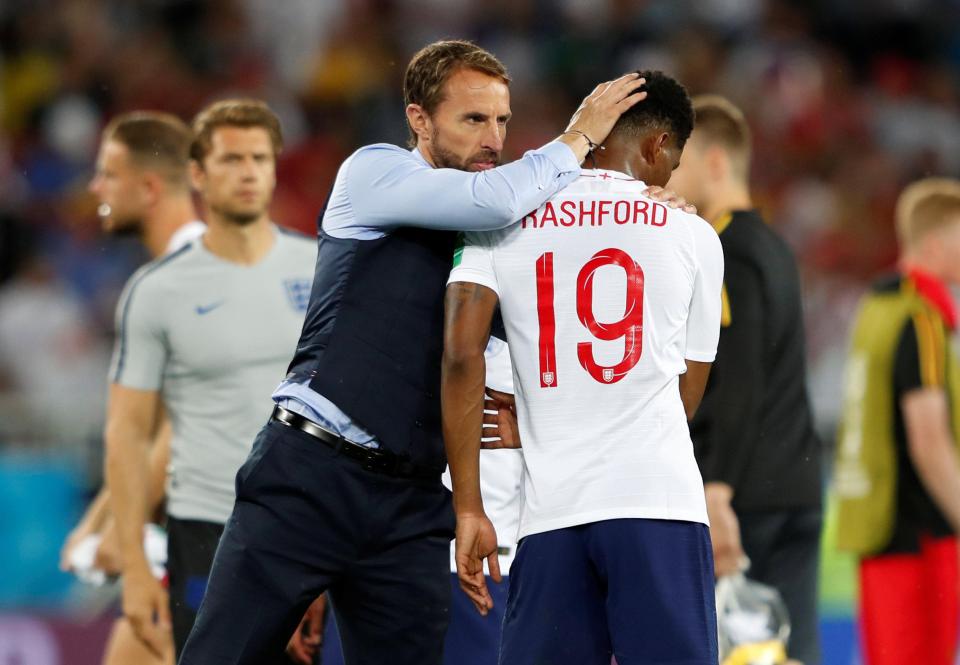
{"type": "Point", "coordinates": [158, 463]}
{"type": "Point", "coordinates": [131, 420]}
{"type": "Point", "coordinates": [469, 312]}
{"type": "Point", "coordinates": [919, 377]}
{"type": "Point", "coordinates": [734, 412]}
{"type": "Point", "coordinates": [693, 383]}
{"type": "Point", "coordinates": [93, 521]}
{"type": "Point", "coordinates": [932, 449]}
{"type": "Point", "coordinates": [738, 384]}
{"type": "Point", "coordinates": [109, 557]}
{"type": "Point", "coordinates": [133, 416]}
{"type": "Point", "coordinates": [704, 343]}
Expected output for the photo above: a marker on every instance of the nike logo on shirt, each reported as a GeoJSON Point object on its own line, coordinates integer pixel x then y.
{"type": "Point", "coordinates": [201, 309]}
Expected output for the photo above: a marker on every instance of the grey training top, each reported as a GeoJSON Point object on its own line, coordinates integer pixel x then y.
{"type": "Point", "coordinates": [212, 336]}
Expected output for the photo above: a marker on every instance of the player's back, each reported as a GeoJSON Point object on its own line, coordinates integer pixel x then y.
{"type": "Point", "coordinates": [604, 294]}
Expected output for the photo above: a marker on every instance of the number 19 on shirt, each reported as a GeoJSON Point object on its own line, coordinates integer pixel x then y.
{"type": "Point", "coordinates": [630, 327]}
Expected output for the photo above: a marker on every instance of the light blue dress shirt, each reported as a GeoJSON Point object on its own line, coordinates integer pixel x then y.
{"type": "Point", "coordinates": [382, 187]}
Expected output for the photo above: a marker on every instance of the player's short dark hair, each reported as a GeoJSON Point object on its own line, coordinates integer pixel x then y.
{"type": "Point", "coordinates": [667, 105]}
{"type": "Point", "coordinates": [243, 113]}
{"type": "Point", "coordinates": [156, 141]}
{"type": "Point", "coordinates": [719, 122]}
{"type": "Point", "coordinates": [435, 63]}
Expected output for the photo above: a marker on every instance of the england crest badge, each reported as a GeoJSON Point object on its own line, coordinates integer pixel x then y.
{"type": "Point", "coordinates": [298, 293]}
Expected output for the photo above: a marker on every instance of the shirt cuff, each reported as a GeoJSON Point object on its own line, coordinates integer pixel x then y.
{"type": "Point", "coordinates": [700, 356]}
{"type": "Point", "coordinates": [561, 156]}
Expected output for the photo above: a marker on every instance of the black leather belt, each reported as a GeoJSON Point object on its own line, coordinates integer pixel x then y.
{"type": "Point", "coordinates": [371, 459]}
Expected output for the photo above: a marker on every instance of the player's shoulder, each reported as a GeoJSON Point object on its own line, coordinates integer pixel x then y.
{"type": "Point", "coordinates": [296, 245]}
{"type": "Point", "coordinates": [700, 229]}
{"type": "Point", "coordinates": [152, 279]}
{"type": "Point", "coordinates": [376, 152]}
{"type": "Point", "coordinates": [294, 238]}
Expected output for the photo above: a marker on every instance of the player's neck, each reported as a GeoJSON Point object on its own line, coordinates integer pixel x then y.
{"type": "Point", "coordinates": [613, 158]}
{"type": "Point", "coordinates": [917, 261]}
{"type": "Point", "coordinates": [245, 244]}
{"type": "Point", "coordinates": [725, 199]}
{"type": "Point", "coordinates": [170, 214]}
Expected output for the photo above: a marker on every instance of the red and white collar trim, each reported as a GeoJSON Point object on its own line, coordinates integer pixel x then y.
{"type": "Point", "coordinates": [605, 174]}
{"type": "Point", "coordinates": [935, 291]}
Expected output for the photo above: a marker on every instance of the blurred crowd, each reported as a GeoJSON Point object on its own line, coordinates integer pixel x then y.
{"type": "Point", "coordinates": [849, 100]}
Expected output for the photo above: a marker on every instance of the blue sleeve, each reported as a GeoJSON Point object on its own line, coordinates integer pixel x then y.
{"type": "Point", "coordinates": [389, 187]}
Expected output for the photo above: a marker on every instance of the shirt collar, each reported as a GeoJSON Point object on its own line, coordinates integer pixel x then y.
{"type": "Point", "coordinates": [185, 234]}
{"type": "Point", "coordinates": [935, 292]}
{"type": "Point", "coordinates": [606, 174]}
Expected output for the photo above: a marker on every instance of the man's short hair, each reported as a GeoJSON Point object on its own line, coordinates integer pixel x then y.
{"type": "Point", "coordinates": [719, 122]}
{"type": "Point", "coordinates": [243, 113]}
{"type": "Point", "coordinates": [156, 141]}
{"type": "Point", "coordinates": [435, 63]}
{"type": "Point", "coordinates": [926, 205]}
{"type": "Point", "coordinates": [667, 105]}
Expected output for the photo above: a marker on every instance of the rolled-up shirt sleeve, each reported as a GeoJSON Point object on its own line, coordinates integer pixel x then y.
{"type": "Point", "coordinates": [389, 187]}
{"type": "Point", "coordinates": [473, 261]}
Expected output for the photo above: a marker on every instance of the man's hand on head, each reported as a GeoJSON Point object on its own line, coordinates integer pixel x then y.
{"type": "Point", "coordinates": [599, 112]}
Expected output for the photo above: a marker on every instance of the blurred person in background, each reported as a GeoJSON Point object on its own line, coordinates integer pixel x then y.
{"type": "Point", "coordinates": [142, 185]}
{"type": "Point", "coordinates": [753, 434]}
{"type": "Point", "coordinates": [202, 332]}
{"type": "Point", "coordinates": [354, 450]}
{"type": "Point", "coordinates": [897, 469]}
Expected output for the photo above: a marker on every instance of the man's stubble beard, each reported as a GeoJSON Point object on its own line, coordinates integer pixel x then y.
{"type": "Point", "coordinates": [129, 227]}
{"type": "Point", "coordinates": [237, 218]}
{"type": "Point", "coordinates": [446, 159]}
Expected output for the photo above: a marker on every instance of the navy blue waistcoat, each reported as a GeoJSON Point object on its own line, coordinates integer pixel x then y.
{"type": "Point", "coordinates": [372, 338]}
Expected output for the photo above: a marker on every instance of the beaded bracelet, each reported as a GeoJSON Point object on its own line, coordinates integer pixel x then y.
{"type": "Point", "coordinates": [590, 144]}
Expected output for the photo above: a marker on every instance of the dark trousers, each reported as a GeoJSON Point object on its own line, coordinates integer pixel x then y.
{"type": "Point", "coordinates": [784, 551]}
{"type": "Point", "coordinates": [307, 520]}
{"type": "Point", "coordinates": [191, 545]}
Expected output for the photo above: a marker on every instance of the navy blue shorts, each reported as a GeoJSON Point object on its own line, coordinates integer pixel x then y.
{"type": "Point", "coordinates": [639, 590]}
{"type": "Point", "coordinates": [473, 639]}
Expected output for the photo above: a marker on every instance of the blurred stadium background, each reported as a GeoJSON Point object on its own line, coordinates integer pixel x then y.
{"type": "Point", "coordinates": [849, 100]}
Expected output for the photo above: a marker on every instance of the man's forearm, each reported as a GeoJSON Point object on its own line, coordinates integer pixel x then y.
{"type": "Point", "coordinates": [462, 396]}
{"type": "Point", "coordinates": [693, 383]}
{"type": "Point", "coordinates": [158, 462]}
{"type": "Point", "coordinates": [939, 471]}
{"type": "Point", "coordinates": [97, 512]}
{"type": "Point", "coordinates": [128, 477]}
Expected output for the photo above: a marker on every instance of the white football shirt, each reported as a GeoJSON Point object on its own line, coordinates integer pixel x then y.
{"type": "Point", "coordinates": [604, 294]}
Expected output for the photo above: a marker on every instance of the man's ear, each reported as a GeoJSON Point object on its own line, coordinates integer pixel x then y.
{"type": "Point", "coordinates": [717, 163]}
{"type": "Point", "coordinates": [198, 177]}
{"type": "Point", "coordinates": [419, 122]}
{"type": "Point", "coordinates": [152, 187]}
{"type": "Point", "coordinates": [654, 147]}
